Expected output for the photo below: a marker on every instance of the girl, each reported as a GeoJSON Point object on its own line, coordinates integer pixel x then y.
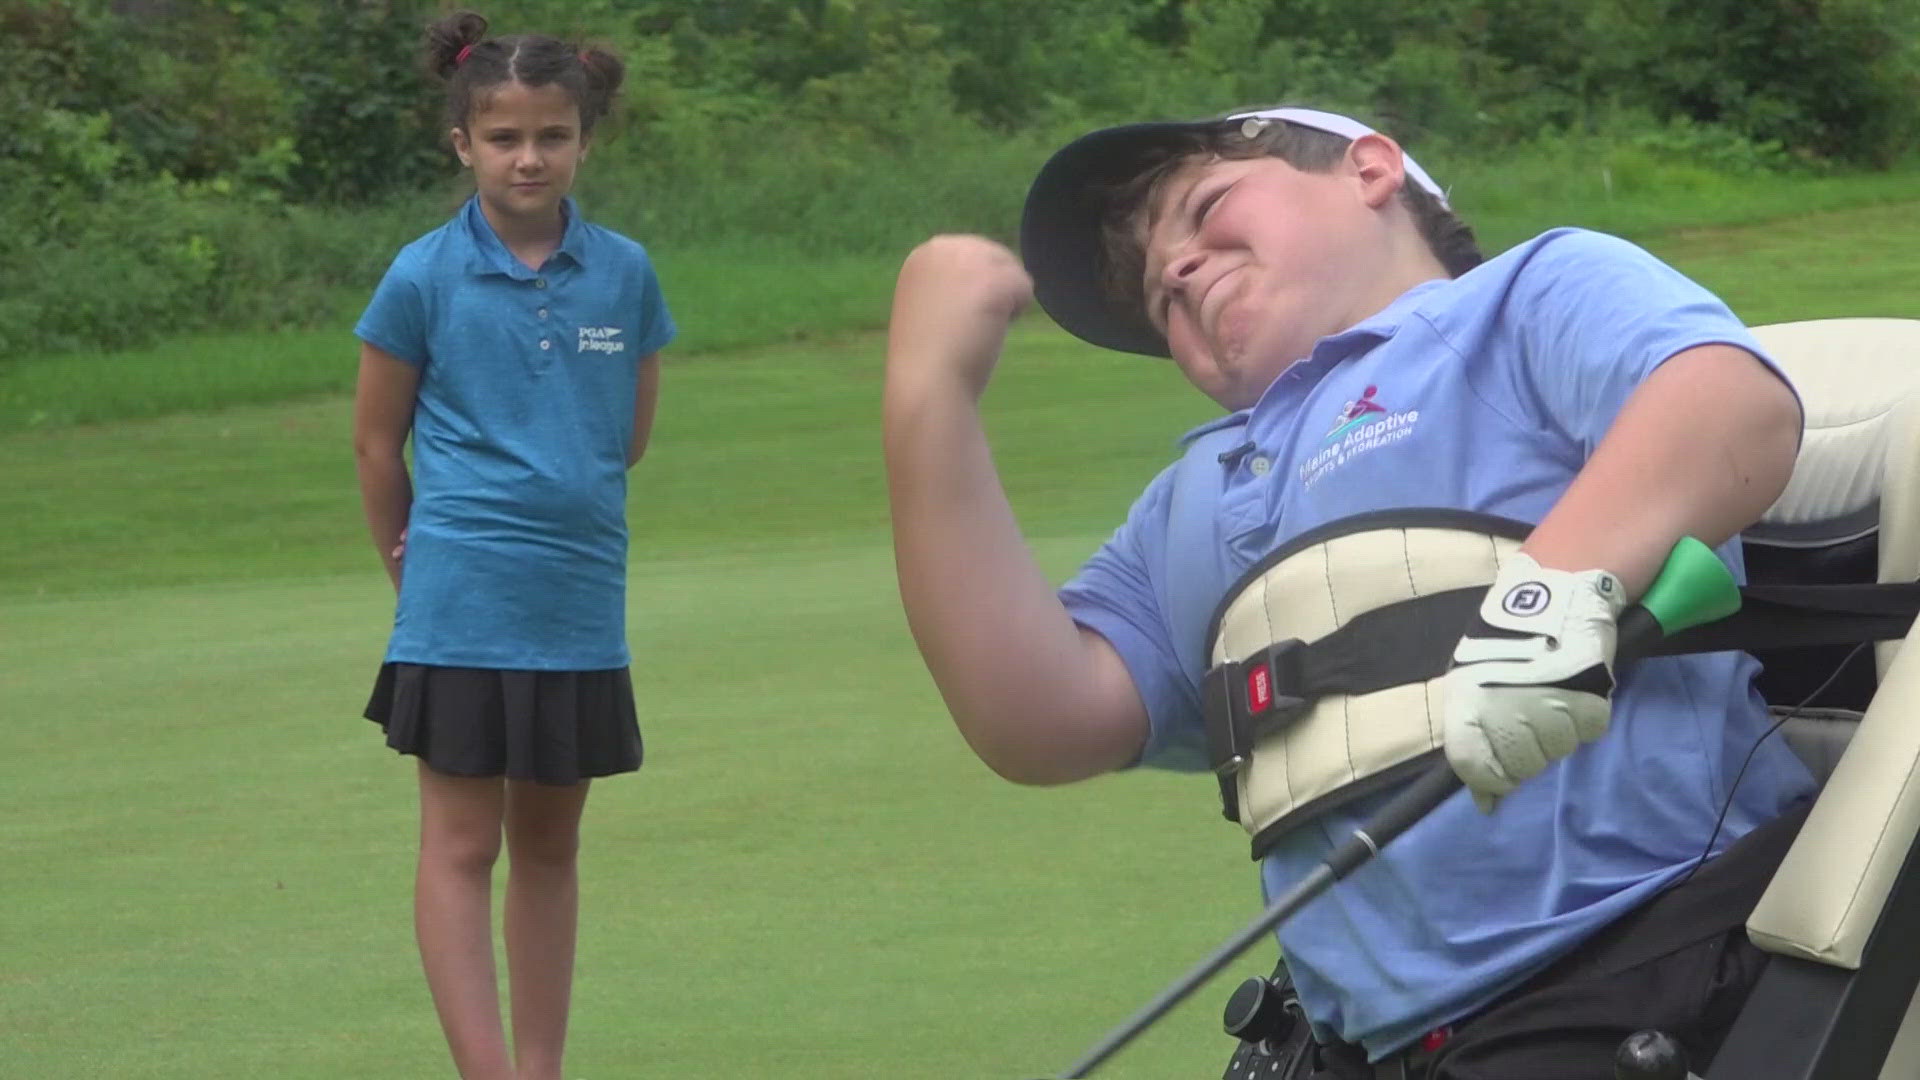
{"type": "Point", "coordinates": [518, 345]}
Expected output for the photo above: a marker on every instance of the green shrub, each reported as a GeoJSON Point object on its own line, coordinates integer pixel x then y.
{"type": "Point", "coordinates": [182, 164]}
{"type": "Point", "coordinates": [1836, 79]}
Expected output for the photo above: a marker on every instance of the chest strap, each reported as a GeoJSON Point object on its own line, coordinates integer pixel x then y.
{"type": "Point", "coordinates": [1325, 658]}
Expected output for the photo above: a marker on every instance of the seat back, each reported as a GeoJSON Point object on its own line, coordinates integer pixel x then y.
{"type": "Point", "coordinates": [1850, 513]}
{"type": "Point", "coordinates": [1832, 1001]}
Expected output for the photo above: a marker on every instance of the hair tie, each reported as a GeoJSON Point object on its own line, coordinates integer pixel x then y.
{"type": "Point", "coordinates": [461, 56]}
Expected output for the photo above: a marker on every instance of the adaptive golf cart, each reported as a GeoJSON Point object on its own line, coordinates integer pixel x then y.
{"type": "Point", "coordinates": [1841, 916]}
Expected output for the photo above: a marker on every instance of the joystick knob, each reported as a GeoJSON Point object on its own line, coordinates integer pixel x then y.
{"type": "Point", "coordinates": [1259, 1011]}
{"type": "Point", "coordinates": [1650, 1055]}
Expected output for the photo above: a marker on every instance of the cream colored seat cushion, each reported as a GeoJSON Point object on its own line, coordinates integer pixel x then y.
{"type": "Point", "coordinates": [1859, 463]}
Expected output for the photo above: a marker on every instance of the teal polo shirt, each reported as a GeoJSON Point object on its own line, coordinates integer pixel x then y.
{"type": "Point", "coordinates": [517, 538]}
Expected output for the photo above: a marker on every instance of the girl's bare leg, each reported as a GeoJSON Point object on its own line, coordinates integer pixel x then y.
{"type": "Point", "coordinates": [543, 904]}
{"type": "Point", "coordinates": [460, 821]}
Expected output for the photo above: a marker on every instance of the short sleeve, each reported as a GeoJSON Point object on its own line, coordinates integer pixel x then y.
{"type": "Point", "coordinates": [1119, 594]}
{"type": "Point", "coordinates": [1593, 316]}
{"type": "Point", "coordinates": [656, 322]}
{"type": "Point", "coordinates": [396, 318]}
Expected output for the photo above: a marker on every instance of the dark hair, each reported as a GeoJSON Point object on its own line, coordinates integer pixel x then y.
{"type": "Point", "coordinates": [1304, 148]}
{"type": "Point", "coordinates": [460, 52]}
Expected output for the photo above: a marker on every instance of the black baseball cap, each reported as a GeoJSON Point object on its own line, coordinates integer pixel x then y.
{"type": "Point", "coordinates": [1061, 227]}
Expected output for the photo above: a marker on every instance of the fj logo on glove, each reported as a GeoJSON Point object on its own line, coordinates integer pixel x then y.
{"type": "Point", "coordinates": [1526, 598]}
{"type": "Point", "coordinates": [1532, 677]}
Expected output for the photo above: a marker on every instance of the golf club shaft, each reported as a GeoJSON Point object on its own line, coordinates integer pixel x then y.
{"type": "Point", "coordinates": [1311, 886]}
{"type": "Point", "coordinates": [1638, 632]}
{"type": "Point", "coordinates": [1393, 819]}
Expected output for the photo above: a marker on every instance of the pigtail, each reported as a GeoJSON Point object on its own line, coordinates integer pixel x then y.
{"type": "Point", "coordinates": [450, 39]}
{"type": "Point", "coordinates": [604, 72]}
{"type": "Point", "coordinates": [459, 52]}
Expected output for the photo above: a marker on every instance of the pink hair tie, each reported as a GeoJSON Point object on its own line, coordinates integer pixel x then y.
{"type": "Point", "coordinates": [461, 56]}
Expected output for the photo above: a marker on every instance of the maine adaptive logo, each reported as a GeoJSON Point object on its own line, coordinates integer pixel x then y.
{"type": "Point", "coordinates": [603, 339]}
{"type": "Point", "coordinates": [1363, 424]}
{"type": "Point", "coordinates": [1358, 413]}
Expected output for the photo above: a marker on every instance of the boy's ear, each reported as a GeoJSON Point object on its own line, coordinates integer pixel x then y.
{"type": "Point", "coordinates": [1380, 166]}
{"type": "Point", "coordinates": [462, 146]}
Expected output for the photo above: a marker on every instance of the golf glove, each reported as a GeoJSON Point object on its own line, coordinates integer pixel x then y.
{"type": "Point", "coordinates": [1532, 678]}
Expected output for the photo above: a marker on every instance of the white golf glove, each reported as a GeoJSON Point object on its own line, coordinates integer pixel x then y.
{"type": "Point", "coordinates": [1532, 676]}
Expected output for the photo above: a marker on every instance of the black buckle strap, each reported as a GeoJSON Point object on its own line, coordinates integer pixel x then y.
{"type": "Point", "coordinates": [1792, 616]}
{"type": "Point", "coordinates": [1247, 700]}
{"type": "Point", "coordinates": [1242, 702]}
{"type": "Point", "coordinates": [1406, 642]}
{"type": "Point", "coordinates": [1412, 641]}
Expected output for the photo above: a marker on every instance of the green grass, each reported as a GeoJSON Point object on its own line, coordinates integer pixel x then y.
{"type": "Point", "coordinates": [182, 374]}
{"type": "Point", "coordinates": [731, 299]}
{"type": "Point", "coordinates": [801, 244]}
{"type": "Point", "coordinates": [1643, 197]}
{"type": "Point", "coordinates": [724, 298]}
{"type": "Point", "coordinates": [1862, 261]}
{"type": "Point", "coordinates": [758, 452]}
{"type": "Point", "coordinates": [208, 854]}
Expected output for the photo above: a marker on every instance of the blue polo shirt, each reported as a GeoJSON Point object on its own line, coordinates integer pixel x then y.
{"type": "Point", "coordinates": [517, 540]}
{"type": "Point", "coordinates": [1485, 393]}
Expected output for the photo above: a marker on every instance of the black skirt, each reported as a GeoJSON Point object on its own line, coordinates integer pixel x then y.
{"type": "Point", "coordinates": [550, 727]}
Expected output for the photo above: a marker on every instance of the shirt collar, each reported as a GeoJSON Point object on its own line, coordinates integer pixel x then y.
{"type": "Point", "coordinates": [573, 239]}
{"type": "Point", "coordinates": [1382, 324]}
{"type": "Point", "coordinates": [1361, 337]}
{"type": "Point", "coordinates": [489, 254]}
{"type": "Point", "coordinates": [1230, 420]}
{"type": "Point", "coordinates": [1368, 332]}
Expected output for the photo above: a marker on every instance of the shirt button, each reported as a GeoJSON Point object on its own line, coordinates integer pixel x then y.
{"type": "Point", "coordinates": [1259, 466]}
{"type": "Point", "coordinates": [539, 283]}
{"type": "Point", "coordinates": [545, 344]}
{"type": "Point", "coordinates": [543, 313]}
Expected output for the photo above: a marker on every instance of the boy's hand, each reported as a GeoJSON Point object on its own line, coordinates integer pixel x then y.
{"type": "Point", "coordinates": [952, 304]}
{"type": "Point", "coordinates": [1532, 678]}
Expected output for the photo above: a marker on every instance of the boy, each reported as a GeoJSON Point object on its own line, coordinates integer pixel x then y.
{"type": "Point", "coordinates": [1307, 276]}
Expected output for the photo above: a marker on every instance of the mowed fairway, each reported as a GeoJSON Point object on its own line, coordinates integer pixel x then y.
{"type": "Point", "coordinates": [206, 857]}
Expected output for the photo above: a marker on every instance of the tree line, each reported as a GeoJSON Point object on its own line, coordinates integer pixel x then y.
{"type": "Point", "coordinates": [171, 126]}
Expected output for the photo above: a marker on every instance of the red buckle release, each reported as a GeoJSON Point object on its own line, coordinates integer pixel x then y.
{"type": "Point", "coordinates": [1259, 689]}
{"type": "Point", "coordinates": [1433, 1040]}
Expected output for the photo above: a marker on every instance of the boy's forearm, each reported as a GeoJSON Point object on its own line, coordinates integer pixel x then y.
{"type": "Point", "coordinates": [1009, 661]}
{"type": "Point", "coordinates": [1701, 449]}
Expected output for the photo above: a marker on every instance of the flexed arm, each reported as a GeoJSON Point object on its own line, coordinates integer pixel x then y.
{"type": "Point", "coordinates": [1039, 699]}
{"type": "Point", "coordinates": [1701, 449]}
